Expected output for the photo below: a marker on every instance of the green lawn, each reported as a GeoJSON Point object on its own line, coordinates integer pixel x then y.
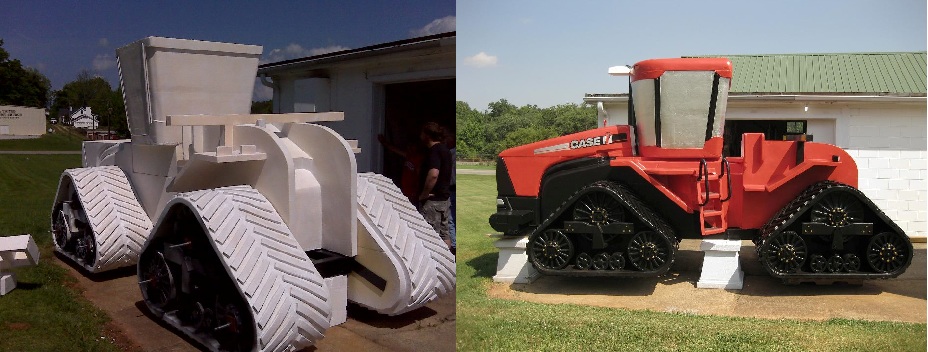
{"type": "Point", "coordinates": [62, 138]}
{"type": "Point", "coordinates": [485, 323]}
{"type": "Point", "coordinates": [45, 312]}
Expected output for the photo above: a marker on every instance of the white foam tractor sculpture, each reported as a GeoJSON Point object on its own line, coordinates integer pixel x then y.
{"type": "Point", "coordinates": [249, 232]}
{"type": "Point", "coordinates": [15, 251]}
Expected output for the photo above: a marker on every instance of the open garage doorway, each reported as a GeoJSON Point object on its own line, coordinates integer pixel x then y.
{"type": "Point", "coordinates": [407, 106]}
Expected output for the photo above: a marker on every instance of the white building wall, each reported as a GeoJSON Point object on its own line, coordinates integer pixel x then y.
{"type": "Point", "coordinates": [889, 145]}
{"type": "Point", "coordinates": [21, 121]}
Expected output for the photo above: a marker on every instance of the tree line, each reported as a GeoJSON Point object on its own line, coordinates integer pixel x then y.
{"type": "Point", "coordinates": [481, 135]}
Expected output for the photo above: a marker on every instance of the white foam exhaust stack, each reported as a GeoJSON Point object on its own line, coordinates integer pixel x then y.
{"type": "Point", "coordinates": [248, 231]}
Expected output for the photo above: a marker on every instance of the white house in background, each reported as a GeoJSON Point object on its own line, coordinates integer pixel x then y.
{"type": "Point", "coordinates": [390, 88]}
{"type": "Point", "coordinates": [870, 104]}
{"type": "Point", "coordinates": [84, 118]}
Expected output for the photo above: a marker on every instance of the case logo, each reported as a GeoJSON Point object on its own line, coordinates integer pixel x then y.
{"type": "Point", "coordinates": [591, 141]}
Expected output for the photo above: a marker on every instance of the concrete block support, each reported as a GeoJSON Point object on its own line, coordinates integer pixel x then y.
{"type": "Point", "coordinates": [338, 292]}
{"type": "Point", "coordinates": [15, 251]}
{"type": "Point", "coordinates": [513, 265]}
{"type": "Point", "coordinates": [7, 283]}
{"type": "Point", "coordinates": [721, 267]}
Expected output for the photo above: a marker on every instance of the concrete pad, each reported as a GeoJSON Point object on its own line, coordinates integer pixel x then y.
{"type": "Point", "coordinates": [900, 299]}
{"type": "Point", "coordinates": [430, 328]}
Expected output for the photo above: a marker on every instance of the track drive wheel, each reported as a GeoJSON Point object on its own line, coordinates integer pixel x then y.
{"type": "Point", "coordinates": [601, 261]}
{"type": "Point", "coordinates": [648, 251]}
{"type": "Point", "coordinates": [551, 249]}
{"type": "Point", "coordinates": [786, 252]}
{"type": "Point", "coordinates": [851, 263]}
{"type": "Point", "coordinates": [886, 252]}
{"type": "Point", "coordinates": [583, 261]}
{"type": "Point", "coordinates": [60, 228]}
{"type": "Point", "coordinates": [817, 263]}
{"type": "Point", "coordinates": [598, 208]}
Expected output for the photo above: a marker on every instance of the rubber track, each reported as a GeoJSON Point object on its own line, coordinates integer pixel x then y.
{"type": "Point", "coordinates": [408, 239]}
{"type": "Point", "coordinates": [631, 202]}
{"type": "Point", "coordinates": [797, 207]}
{"type": "Point", "coordinates": [288, 298]}
{"type": "Point", "coordinates": [119, 223]}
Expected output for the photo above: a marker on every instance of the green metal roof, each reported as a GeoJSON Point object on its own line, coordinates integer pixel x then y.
{"type": "Point", "coordinates": [853, 73]}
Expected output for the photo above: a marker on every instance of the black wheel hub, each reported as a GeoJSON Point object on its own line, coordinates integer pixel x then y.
{"type": "Point", "coordinates": [648, 250]}
{"type": "Point", "coordinates": [786, 252]}
{"type": "Point", "coordinates": [551, 249]}
{"type": "Point", "coordinates": [887, 252]}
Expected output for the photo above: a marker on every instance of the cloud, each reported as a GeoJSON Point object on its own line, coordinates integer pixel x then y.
{"type": "Point", "coordinates": [262, 92]}
{"type": "Point", "coordinates": [293, 51]}
{"type": "Point", "coordinates": [441, 25]}
{"type": "Point", "coordinates": [103, 42]}
{"type": "Point", "coordinates": [104, 62]}
{"type": "Point", "coordinates": [480, 60]}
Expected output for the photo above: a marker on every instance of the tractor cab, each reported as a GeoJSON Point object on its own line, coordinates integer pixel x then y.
{"type": "Point", "coordinates": [677, 106]}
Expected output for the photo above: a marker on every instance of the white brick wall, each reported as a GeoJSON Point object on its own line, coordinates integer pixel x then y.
{"type": "Point", "coordinates": [889, 145]}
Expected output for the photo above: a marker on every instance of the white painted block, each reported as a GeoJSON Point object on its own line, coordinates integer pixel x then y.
{"type": "Point", "coordinates": [721, 266]}
{"type": "Point", "coordinates": [513, 265]}
{"type": "Point", "coordinates": [877, 163]}
{"type": "Point", "coordinates": [899, 163]}
{"type": "Point", "coordinates": [7, 283]}
{"type": "Point", "coordinates": [338, 299]}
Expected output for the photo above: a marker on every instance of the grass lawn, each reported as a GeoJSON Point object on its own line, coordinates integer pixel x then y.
{"type": "Point", "coordinates": [485, 323]}
{"type": "Point", "coordinates": [62, 138]}
{"type": "Point", "coordinates": [45, 312]}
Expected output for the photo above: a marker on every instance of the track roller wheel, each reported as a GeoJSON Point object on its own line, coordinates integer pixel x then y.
{"type": "Point", "coordinates": [817, 263]}
{"type": "Point", "coordinates": [86, 249]}
{"type": "Point", "coordinates": [616, 261]}
{"type": "Point", "coordinates": [786, 252]}
{"type": "Point", "coordinates": [601, 261]}
{"type": "Point", "coordinates": [886, 252]}
{"type": "Point", "coordinates": [551, 250]}
{"type": "Point", "coordinates": [583, 261]}
{"type": "Point", "coordinates": [648, 250]}
{"type": "Point", "coordinates": [851, 263]}
{"type": "Point", "coordinates": [158, 286]}
{"type": "Point", "coordinates": [835, 264]}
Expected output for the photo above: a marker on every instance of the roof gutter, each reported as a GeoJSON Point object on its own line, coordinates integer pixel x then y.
{"type": "Point", "coordinates": [592, 99]}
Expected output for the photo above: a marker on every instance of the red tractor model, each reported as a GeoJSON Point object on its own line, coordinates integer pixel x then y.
{"type": "Point", "coordinates": [616, 200]}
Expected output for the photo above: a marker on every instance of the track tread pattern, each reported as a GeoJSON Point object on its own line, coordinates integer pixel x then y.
{"type": "Point", "coordinates": [631, 203]}
{"type": "Point", "coordinates": [288, 298]}
{"type": "Point", "coordinates": [799, 206]}
{"type": "Point", "coordinates": [119, 223]}
{"type": "Point", "coordinates": [405, 236]}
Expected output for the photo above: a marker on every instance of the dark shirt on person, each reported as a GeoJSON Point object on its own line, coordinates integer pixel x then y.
{"type": "Point", "coordinates": [438, 157]}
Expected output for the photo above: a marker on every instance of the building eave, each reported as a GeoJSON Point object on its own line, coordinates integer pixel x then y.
{"type": "Point", "coordinates": [915, 98]}
{"type": "Point", "coordinates": [432, 41]}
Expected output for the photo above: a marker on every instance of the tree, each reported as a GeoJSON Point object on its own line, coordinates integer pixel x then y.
{"type": "Point", "coordinates": [262, 107]}
{"type": "Point", "coordinates": [20, 85]}
{"type": "Point", "coordinates": [482, 135]}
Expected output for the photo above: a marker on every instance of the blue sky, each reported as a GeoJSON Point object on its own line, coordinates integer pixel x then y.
{"type": "Point", "coordinates": [60, 38]}
{"type": "Point", "coordinates": [553, 52]}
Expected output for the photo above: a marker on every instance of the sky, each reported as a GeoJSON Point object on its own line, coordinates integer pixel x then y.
{"type": "Point", "coordinates": [62, 38]}
{"type": "Point", "coordinates": [547, 53]}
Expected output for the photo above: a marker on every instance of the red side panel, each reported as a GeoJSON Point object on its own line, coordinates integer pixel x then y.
{"type": "Point", "coordinates": [650, 69]}
{"type": "Point", "coordinates": [772, 173]}
{"type": "Point", "coordinates": [527, 163]}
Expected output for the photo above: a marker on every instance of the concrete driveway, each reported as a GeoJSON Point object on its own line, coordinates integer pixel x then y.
{"type": "Point", "coordinates": [900, 299]}
{"type": "Point", "coordinates": [430, 328]}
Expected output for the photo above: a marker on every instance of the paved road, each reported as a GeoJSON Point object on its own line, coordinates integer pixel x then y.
{"type": "Point", "coordinates": [41, 152]}
{"type": "Point", "coordinates": [475, 172]}
{"type": "Point", "coordinates": [899, 299]}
